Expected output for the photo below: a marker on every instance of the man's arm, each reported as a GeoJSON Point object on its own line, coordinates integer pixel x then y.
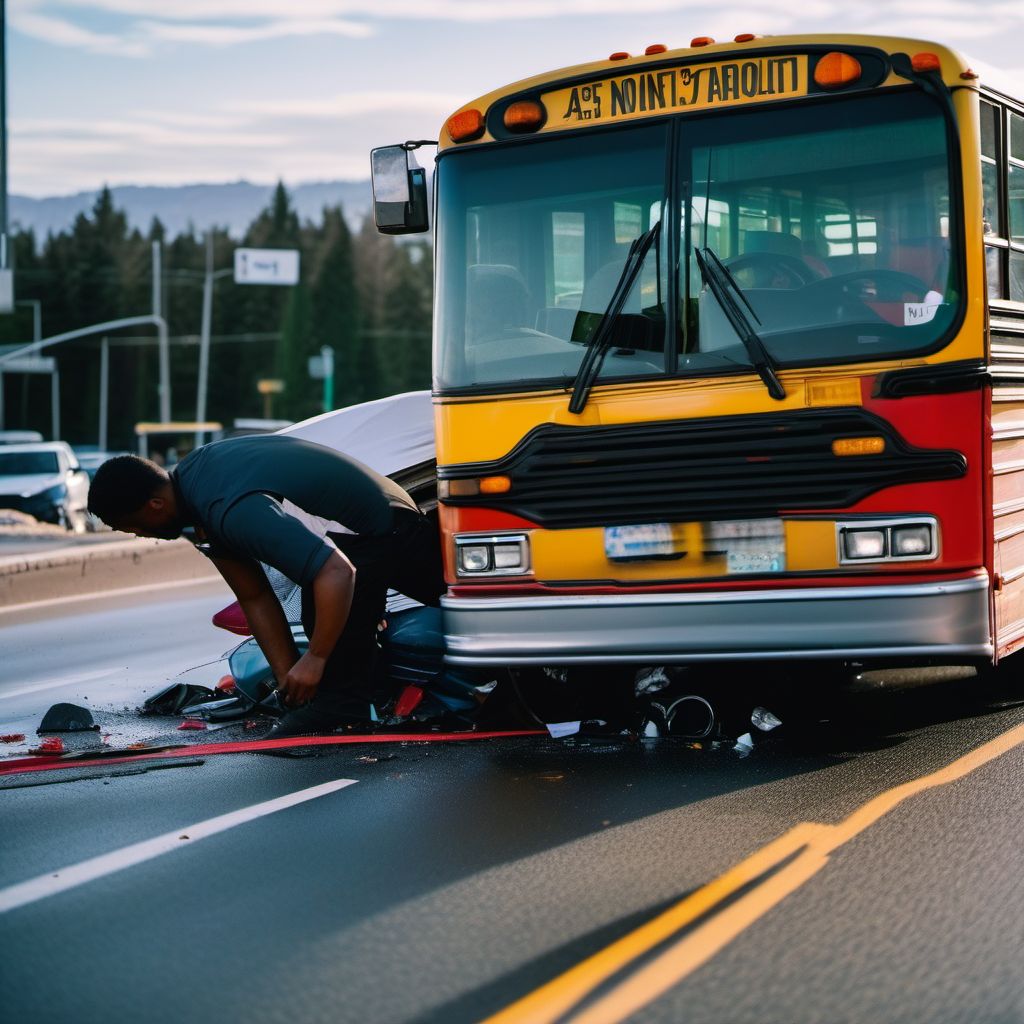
{"type": "Point", "coordinates": [333, 586]}
{"type": "Point", "coordinates": [263, 612]}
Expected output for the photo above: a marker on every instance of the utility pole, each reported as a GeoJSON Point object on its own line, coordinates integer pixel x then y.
{"type": "Point", "coordinates": [209, 277]}
{"type": "Point", "coordinates": [327, 355]}
{"type": "Point", "coordinates": [104, 392]}
{"type": "Point", "coordinates": [164, 340]}
{"type": "Point", "coordinates": [6, 274]}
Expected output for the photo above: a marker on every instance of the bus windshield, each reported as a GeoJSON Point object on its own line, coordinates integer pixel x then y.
{"type": "Point", "coordinates": [833, 219]}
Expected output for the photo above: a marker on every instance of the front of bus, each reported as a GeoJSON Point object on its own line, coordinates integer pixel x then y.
{"type": "Point", "coordinates": [708, 364]}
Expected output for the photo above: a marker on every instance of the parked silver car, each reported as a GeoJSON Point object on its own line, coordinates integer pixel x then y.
{"type": "Point", "coordinates": [46, 482]}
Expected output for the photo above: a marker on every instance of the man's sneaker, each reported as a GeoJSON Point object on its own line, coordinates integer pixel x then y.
{"type": "Point", "coordinates": [323, 715]}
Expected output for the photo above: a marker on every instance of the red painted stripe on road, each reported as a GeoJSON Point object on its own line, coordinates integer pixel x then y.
{"type": "Point", "coordinates": [42, 764]}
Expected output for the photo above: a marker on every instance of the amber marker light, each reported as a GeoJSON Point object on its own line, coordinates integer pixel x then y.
{"type": "Point", "coordinates": [524, 116]}
{"type": "Point", "coordinates": [835, 70]}
{"type": "Point", "coordinates": [858, 446]}
{"type": "Point", "coordinates": [701, 41]}
{"type": "Point", "coordinates": [495, 485]}
{"type": "Point", "coordinates": [619, 55]}
{"type": "Point", "coordinates": [655, 48]}
{"type": "Point", "coordinates": [465, 125]}
{"type": "Point", "coordinates": [745, 37]}
{"type": "Point", "coordinates": [925, 62]}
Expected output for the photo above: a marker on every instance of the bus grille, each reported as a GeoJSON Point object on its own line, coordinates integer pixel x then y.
{"type": "Point", "coordinates": [729, 467]}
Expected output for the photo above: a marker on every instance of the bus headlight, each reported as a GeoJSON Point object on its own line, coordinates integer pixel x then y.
{"type": "Point", "coordinates": [499, 555]}
{"type": "Point", "coordinates": [864, 543]}
{"type": "Point", "coordinates": [912, 540]}
{"type": "Point", "coordinates": [888, 540]}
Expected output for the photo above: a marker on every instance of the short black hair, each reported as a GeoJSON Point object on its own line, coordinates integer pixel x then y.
{"type": "Point", "coordinates": [122, 485]}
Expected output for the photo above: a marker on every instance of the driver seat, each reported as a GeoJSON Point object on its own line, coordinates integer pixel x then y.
{"type": "Point", "coordinates": [496, 300]}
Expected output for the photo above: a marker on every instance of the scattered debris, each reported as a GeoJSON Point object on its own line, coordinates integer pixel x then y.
{"type": "Point", "coordinates": [651, 680]}
{"type": "Point", "coordinates": [227, 684]}
{"type": "Point", "coordinates": [192, 723]}
{"type": "Point", "coordinates": [558, 730]}
{"type": "Point", "coordinates": [13, 737]}
{"type": "Point", "coordinates": [51, 745]}
{"type": "Point", "coordinates": [409, 699]}
{"type": "Point", "coordinates": [689, 717]}
{"type": "Point", "coordinates": [171, 699]}
{"type": "Point", "coordinates": [67, 718]}
{"type": "Point", "coordinates": [763, 719]}
{"type": "Point", "coordinates": [203, 709]}
{"type": "Point", "coordinates": [744, 745]}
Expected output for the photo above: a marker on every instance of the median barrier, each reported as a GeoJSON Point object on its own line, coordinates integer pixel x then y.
{"type": "Point", "coordinates": [95, 568]}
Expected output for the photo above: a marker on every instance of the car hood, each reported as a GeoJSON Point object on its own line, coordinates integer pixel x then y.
{"type": "Point", "coordinates": [390, 434]}
{"type": "Point", "coordinates": [29, 483]}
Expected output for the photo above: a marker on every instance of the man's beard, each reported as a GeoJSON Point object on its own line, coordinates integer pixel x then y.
{"type": "Point", "coordinates": [169, 531]}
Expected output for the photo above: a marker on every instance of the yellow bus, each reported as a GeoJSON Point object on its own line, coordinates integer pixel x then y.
{"type": "Point", "coordinates": [729, 357]}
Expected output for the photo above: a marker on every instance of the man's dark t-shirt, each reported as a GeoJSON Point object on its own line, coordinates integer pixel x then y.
{"type": "Point", "coordinates": [233, 490]}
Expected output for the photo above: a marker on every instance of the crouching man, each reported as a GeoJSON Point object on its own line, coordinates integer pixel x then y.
{"type": "Point", "coordinates": [233, 499]}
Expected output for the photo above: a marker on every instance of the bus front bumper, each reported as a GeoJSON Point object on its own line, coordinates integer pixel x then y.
{"type": "Point", "coordinates": [901, 623]}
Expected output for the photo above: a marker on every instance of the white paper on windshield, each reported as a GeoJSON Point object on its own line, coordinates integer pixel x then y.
{"type": "Point", "coordinates": [921, 312]}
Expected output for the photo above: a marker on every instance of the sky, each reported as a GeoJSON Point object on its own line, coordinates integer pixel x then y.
{"type": "Point", "coordinates": [168, 92]}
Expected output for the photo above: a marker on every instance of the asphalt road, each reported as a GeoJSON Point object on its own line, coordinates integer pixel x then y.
{"type": "Point", "coordinates": [582, 880]}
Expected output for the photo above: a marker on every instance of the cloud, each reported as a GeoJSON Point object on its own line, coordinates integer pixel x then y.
{"type": "Point", "coordinates": [64, 33]}
{"type": "Point", "coordinates": [231, 35]}
{"type": "Point", "coordinates": [353, 104]}
{"type": "Point", "coordinates": [426, 10]}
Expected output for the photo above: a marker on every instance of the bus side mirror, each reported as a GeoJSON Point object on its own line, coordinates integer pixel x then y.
{"type": "Point", "coordinates": [399, 191]}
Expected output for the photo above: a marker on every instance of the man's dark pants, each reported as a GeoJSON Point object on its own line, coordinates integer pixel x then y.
{"type": "Point", "coordinates": [408, 559]}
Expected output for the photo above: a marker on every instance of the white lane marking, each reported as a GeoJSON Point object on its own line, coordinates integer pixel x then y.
{"type": "Point", "coordinates": [98, 594]}
{"type": "Point", "coordinates": [52, 684]}
{"type": "Point", "coordinates": [108, 863]}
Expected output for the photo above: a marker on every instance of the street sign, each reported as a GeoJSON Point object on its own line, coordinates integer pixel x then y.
{"type": "Point", "coordinates": [267, 266]}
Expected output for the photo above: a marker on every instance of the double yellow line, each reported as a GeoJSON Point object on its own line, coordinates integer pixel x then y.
{"type": "Point", "coordinates": [712, 916]}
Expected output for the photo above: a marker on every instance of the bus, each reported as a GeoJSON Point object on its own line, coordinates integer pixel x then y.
{"type": "Point", "coordinates": [729, 357]}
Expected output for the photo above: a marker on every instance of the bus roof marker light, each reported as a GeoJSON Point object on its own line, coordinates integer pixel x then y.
{"type": "Point", "coordinates": [655, 48]}
{"type": "Point", "coordinates": [925, 62]}
{"type": "Point", "coordinates": [969, 75]}
{"type": "Point", "coordinates": [746, 37]}
{"type": "Point", "coordinates": [524, 116]}
{"type": "Point", "coordinates": [836, 70]}
{"type": "Point", "coordinates": [702, 41]}
{"type": "Point", "coordinates": [465, 125]}
{"type": "Point", "coordinates": [620, 55]}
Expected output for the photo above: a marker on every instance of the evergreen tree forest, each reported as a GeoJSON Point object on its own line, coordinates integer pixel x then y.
{"type": "Point", "coordinates": [363, 294]}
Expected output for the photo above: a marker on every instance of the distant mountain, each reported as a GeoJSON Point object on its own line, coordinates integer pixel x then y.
{"type": "Point", "coordinates": [234, 205]}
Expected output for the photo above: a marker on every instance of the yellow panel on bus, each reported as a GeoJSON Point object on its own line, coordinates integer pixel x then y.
{"type": "Point", "coordinates": [672, 90]}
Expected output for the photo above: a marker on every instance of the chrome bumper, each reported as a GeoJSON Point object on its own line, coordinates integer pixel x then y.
{"type": "Point", "coordinates": [910, 621]}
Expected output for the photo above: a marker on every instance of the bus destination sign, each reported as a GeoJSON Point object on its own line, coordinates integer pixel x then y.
{"type": "Point", "coordinates": [669, 90]}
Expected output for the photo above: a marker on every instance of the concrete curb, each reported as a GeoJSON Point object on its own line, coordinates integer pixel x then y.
{"type": "Point", "coordinates": [93, 569]}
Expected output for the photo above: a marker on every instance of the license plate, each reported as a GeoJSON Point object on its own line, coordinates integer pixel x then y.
{"type": "Point", "coordinates": [755, 560]}
{"type": "Point", "coordinates": [648, 540]}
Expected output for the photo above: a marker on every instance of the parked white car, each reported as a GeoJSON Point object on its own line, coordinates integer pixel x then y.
{"type": "Point", "coordinates": [46, 482]}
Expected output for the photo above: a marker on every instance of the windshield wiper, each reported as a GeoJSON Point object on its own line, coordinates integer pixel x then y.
{"type": "Point", "coordinates": [601, 339]}
{"type": "Point", "coordinates": [717, 277]}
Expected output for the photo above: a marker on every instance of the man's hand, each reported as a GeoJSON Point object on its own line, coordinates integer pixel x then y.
{"type": "Point", "coordinates": [303, 678]}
